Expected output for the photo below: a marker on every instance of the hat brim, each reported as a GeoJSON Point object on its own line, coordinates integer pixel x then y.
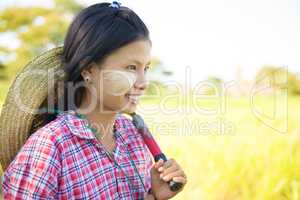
{"type": "Point", "coordinates": [24, 98]}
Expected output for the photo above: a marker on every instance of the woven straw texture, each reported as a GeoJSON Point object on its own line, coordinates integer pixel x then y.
{"type": "Point", "coordinates": [19, 114]}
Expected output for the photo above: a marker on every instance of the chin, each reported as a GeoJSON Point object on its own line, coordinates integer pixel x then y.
{"type": "Point", "coordinates": [130, 105]}
{"type": "Point", "coordinates": [129, 109]}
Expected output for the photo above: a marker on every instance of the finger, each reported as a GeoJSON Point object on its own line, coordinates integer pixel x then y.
{"type": "Point", "coordinates": [158, 164]}
{"type": "Point", "coordinates": [169, 163]}
{"type": "Point", "coordinates": [180, 179]}
{"type": "Point", "coordinates": [169, 166]}
{"type": "Point", "coordinates": [169, 176]}
{"type": "Point", "coordinates": [171, 169]}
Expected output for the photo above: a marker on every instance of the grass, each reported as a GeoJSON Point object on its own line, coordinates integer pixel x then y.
{"type": "Point", "coordinates": [247, 161]}
{"type": "Point", "coordinates": [251, 161]}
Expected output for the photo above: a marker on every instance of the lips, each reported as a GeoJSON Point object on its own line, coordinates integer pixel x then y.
{"type": "Point", "coordinates": [134, 98]}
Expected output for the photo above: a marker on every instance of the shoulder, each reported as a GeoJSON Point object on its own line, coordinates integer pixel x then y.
{"type": "Point", "coordinates": [137, 146]}
{"type": "Point", "coordinates": [124, 121]}
{"type": "Point", "coordinates": [133, 138]}
{"type": "Point", "coordinates": [126, 124]}
{"type": "Point", "coordinates": [33, 172]}
{"type": "Point", "coordinates": [42, 146]}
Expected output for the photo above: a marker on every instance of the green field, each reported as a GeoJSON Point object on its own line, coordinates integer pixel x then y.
{"type": "Point", "coordinates": [253, 161]}
{"type": "Point", "coordinates": [246, 161]}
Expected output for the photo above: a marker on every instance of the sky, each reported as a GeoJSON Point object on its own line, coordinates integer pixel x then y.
{"type": "Point", "coordinates": [217, 37]}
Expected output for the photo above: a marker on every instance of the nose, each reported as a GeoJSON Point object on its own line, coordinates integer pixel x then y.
{"type": "Point", "coordinates": [141, 82]}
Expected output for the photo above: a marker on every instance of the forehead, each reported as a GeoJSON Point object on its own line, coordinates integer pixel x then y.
{"type": "Point", "coordinates": [135, 51]}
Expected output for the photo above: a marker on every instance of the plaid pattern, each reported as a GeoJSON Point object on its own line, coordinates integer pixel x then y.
{"type": "Point", "coordinates": [64, 160]}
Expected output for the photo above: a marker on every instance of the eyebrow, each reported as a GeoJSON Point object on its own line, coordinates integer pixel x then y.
{"type": "Point", "coordinates": [138, 62]}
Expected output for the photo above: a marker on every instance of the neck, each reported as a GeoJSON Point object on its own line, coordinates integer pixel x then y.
{"type": "Point", "coordinates": [101, 121]}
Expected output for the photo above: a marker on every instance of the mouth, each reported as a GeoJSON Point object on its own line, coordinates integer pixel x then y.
{"type": "Point", "coordinates": [133, 98]}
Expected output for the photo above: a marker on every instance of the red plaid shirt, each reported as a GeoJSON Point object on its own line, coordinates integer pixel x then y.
{"type": "Point", "coordinates": [64, 160]}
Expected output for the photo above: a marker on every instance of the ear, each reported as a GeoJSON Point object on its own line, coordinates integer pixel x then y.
{"type": "Point", "coordinates": [87, 71]}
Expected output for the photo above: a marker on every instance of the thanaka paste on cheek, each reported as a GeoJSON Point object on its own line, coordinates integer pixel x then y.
{"type": "Point", "coordinates": [118, 82]}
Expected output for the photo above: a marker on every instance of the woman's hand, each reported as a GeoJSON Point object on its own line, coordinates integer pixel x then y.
{"type": "Point", "coordinates": [163, 172]}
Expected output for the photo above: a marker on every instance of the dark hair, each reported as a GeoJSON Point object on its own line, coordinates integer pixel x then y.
{"type": "Point", "coordinates": [96, 32]}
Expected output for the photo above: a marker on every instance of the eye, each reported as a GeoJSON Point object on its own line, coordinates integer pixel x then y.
{"type": "Point", "coordinates": [147, 68]}
{"type": "Point", "coordinates": [131, 67]}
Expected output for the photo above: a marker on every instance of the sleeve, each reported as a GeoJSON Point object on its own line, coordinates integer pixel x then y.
{"type": "Point", "coordinates": [33, 173]}
{"type": "Point", "coordinates": [149, 165]}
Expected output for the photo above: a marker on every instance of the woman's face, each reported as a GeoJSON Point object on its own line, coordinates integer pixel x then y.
{"type": "Point", "coordinates": [119, 81]}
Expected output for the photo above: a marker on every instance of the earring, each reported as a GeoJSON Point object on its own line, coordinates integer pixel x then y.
{"type": "Point", "coordinates": [87, 79]}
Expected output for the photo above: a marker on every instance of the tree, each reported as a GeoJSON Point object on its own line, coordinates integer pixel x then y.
{"type": "Point", "coordinates": [278, 77]}
{"type": "Point", "coordinates": [37, 29]}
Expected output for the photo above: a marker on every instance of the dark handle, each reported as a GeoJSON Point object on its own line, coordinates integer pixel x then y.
{"type": "Point", "coordinates": [174, 186]}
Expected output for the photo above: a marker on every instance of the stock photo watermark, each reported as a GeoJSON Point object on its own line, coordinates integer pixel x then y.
{"type": "Point", "coordinates": [117, 83]}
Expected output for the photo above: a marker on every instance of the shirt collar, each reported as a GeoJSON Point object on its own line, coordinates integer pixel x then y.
{"type": "Point", "coordinates": [79, 126]}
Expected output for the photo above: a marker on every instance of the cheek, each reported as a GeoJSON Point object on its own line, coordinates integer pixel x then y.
{"type": "Point", "coordinates": [114, 102]}
{"type": "Point", "coordinates": [112, 88]}
{"type": "Point", "coordinates": [118, 83]}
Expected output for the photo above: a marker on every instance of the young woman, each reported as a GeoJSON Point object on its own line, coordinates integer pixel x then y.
{"type": "Point", "coordinates": [92, 151]}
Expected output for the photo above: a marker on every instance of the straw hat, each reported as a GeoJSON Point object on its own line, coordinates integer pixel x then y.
{"type": "Point", "coordinates": [20, 115]}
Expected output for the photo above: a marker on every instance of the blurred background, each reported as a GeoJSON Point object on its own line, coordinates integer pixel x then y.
{"type": "Point", "coordinates": [224, 87]}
